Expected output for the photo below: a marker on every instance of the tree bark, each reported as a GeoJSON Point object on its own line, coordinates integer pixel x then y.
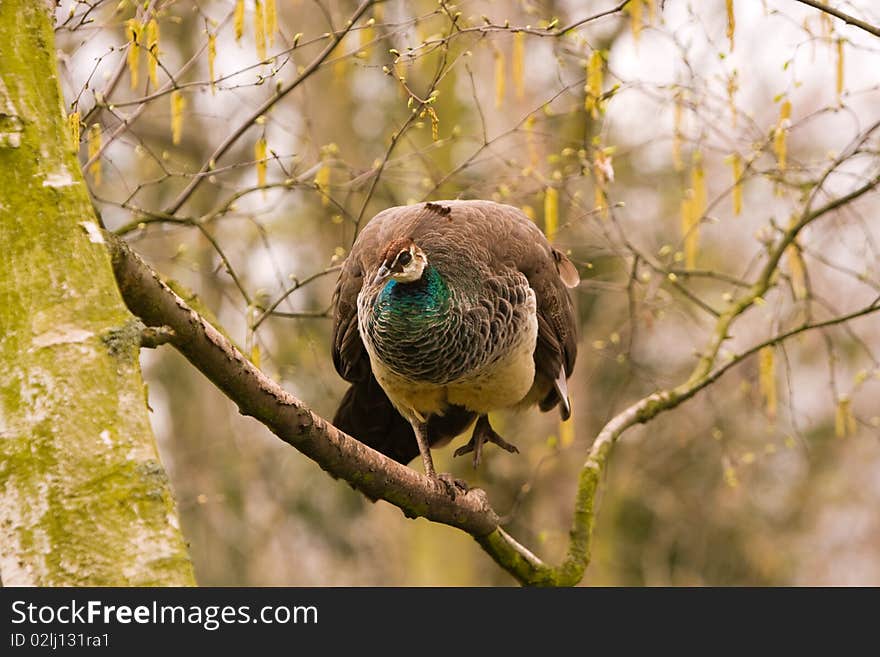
{"type": "Point", "coordinates": [84, 499]}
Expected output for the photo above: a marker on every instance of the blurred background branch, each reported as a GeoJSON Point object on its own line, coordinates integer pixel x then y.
{"type": "Point", "coordinates": [846, 18]}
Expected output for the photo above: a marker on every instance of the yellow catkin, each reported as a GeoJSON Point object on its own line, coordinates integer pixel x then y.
{"type": "Point", "coordinates": [322, 182]}
{"type": "Point", "coordinates": [690, 234]}
{"type": "Point", "coordinates": [153, 51]}
{"type": "Point", "coordinates": [551, 212]}
{"type": "Point", "coordinates": [785, 111]}
{"type": "Point", "coordinates": [844, 420]}
{"type": "Point", "coordinates": [698, 180]}
{"type": "Point", "coordinates": [531, 141]}
{"type": "Point", "coordinates": [340, 66]}
{"type": "Point", "coordinates": [94, 140]}
{"type": "Point", "coordinates": [600, 202]}
{"type": "Point", "coordinates": [601, 176]}
{"type": "Point", "coordinates": [368, 35]}
{"type": "Point", "coordinates": [693, 210]}
{"type": "Point", "coordinates": [825, 24]}
{"type": "Point", "coordinates": [260, 149]}
{"type": "Point", "coordinates": [73, 125]}
{"type": "Point", "coordinates": [677, 120]}
{"type": "Point", "coordinates": [634, 9]}
{"type": "Point", "coordinates": [500, 81]}
{"type": "Point", "coordinates": [133, 57]}
{"type": "Point", "coordinates": [808, 28]}
{"type": "Point", "coordinates": [178, 103]}
{"type": "Point", "coordinates": [260, 29]}
{"type": "Point", "coordinates": [731, 23]}
{"type": "Point", "coordinates": [566, 433]}
{"type": "Point", "coordinates": [840, 64]}
{"type": "Point", "coordinates": [595, 74]}
{"type": "Point", "coordinates": [736, 165]}
{"type": "Point", "coordinates": [212, 58]}
{"type": "Point", "coordinates": [767, 379]}
{"type": "Point", "coordinates": [730, 477]}
{"type": "Point", "coordinates": [517, 65]}
{"type": "Point", "coordinates": [732, 88]}
{"type": "Point", "coordinates": [780, 147]}
{"type": "Point", "coordinates": [797, 271]}
{"type": "Point", "coordinates": [271, 21]}
{"type": "Point", "coordinates": [238, 20]}
{"type": "Point", "coordinates": [652, 10]}
{"type": "Point", "coordinates": [435, 124]}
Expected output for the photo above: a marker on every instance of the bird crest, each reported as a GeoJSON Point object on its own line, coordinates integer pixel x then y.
{"type": "Point", "coordinates": [394, 249]}
{"type": "Point", "coordinates": [442, 210]}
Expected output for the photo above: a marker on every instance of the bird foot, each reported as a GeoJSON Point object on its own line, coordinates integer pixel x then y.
{"type": "Point", "coordinates": [484, 433]}
{"type": "Point", "coordinates": [453, 485]}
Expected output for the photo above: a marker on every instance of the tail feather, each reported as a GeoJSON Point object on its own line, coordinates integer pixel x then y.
{"type": "Point", "coordinates": [367, 414]}
{"type": "Point", "coordinates": [561, 388]}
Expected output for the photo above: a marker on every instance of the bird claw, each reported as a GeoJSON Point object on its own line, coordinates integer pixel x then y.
{"type": "Point", "coordinates": [451, 484]}
{"type": "Point", "coordinates": [484, 433]}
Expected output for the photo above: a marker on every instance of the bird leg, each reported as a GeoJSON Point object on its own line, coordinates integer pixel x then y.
{"type": "Point", "coordinates": [421, 431]}
{"type": "Point", "coordinates": [483, 433]}
{"type": "Point", "coordinates": [452, 485]}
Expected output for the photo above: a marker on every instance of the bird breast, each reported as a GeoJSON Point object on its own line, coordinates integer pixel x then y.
{"type": "Point", "coordinates": [469, 345]}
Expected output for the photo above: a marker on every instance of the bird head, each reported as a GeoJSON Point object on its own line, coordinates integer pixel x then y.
{"type": "Point", "coordinates": [402, 261]}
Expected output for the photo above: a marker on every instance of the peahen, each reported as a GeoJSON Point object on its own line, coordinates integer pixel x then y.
{"type": "Point", "coordinates": [444, 312]}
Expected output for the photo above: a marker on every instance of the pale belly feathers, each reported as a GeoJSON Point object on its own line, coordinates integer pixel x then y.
{"type": "Point", "coordinates": [501, 384]}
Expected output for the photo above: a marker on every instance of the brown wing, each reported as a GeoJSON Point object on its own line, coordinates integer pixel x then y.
{"type": "Point", "coordinates": [349, 356]}
{"type": "Point", "coordinates": [549, 273]}
{"type": "Point", "coordinates": [556, 348]}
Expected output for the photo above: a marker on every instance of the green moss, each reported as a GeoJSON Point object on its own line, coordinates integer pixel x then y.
{"type": "Point", "coordinates": [654, 406]}
{"type": "Point", "coordinates": [80, 484]}
{"type": "Point", "coordinates": [496, 544]}
{"type": "Point", "coordinates": [130, 494]}
{"type": "Point", "coordinates": [124, 340]}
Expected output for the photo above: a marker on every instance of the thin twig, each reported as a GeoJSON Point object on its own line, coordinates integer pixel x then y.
{"type": "Point", "coordinates": [293, 288]}
{"type": "Point", "coordinates": [846, 18]}
{"type": "Point", "coordinates": [265, 106]}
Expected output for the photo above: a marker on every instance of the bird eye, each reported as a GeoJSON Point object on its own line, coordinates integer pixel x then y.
{"type": "Point", "coordinates": [404, 258]}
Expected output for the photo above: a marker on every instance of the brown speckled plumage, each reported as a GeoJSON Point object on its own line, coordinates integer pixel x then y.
{"type": "Point", "coordinates": [500, 277]}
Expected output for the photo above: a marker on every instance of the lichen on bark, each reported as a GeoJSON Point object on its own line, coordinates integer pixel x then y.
{"type": "Point", "coordinates": [83, 496]}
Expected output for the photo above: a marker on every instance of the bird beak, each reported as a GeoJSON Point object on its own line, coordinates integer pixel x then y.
{"type": "Point", "coordinates": [381, 275]}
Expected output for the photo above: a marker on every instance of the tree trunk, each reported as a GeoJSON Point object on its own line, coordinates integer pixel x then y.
{"type": "Point", "coordinates": [84, 499]}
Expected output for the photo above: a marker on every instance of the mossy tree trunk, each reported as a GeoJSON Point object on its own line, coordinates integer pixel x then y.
{"type": "Point", "coordinates": [84, 499]}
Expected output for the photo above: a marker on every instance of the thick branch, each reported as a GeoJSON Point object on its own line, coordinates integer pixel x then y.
{"type": "Point", "coordinates": [370, 472]}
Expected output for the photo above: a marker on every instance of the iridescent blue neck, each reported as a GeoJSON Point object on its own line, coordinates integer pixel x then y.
{"type": "Point", "coordinates": [425, 297]}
